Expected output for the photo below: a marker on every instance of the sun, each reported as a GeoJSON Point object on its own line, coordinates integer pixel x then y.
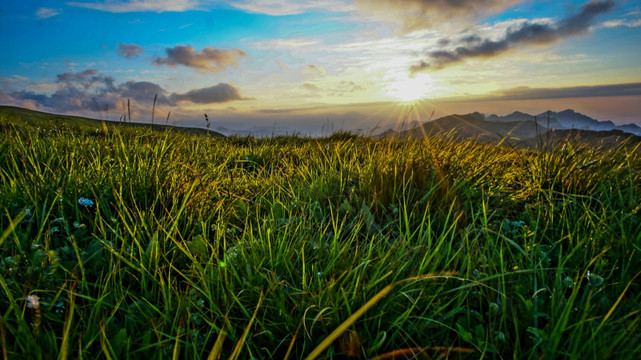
{"type": "Point", "coordinates": [409, 88]}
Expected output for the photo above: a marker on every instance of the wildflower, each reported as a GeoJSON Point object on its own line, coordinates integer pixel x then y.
{"type": "Point", "coordinates": [85, 202]}
{"type": "Point", "coordinates": [515, 268]}
{"type": "Point", "coordinates": [33, 301]}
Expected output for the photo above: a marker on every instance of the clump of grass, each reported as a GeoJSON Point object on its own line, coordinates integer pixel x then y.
{"type": "Point", "coordinates": [140, 243]}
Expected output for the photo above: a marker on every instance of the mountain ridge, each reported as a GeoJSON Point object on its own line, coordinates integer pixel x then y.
{"type": "Point", "coordinates": [521, 129]}
{"type": "Point", "coordinates": [567, 119]}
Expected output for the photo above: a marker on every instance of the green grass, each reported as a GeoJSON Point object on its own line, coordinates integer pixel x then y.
{"type": "Point", "coordinates": [340, 247]}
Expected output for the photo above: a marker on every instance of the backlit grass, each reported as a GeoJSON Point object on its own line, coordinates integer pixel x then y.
{"type": "Point", "coordinates": [122, 242]}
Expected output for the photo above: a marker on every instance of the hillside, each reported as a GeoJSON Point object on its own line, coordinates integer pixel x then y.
{"type": "Point", "coordinates": [49, 121]}
{"type": "Point", "coordinates": [600, 139]}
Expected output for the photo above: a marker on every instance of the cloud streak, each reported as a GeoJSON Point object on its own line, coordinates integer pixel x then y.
{"type": "Point", "coordinates": [527, 93]}
{"type": "Point", "coordinates": [158, 6]}
{"type": "Point", "coordinates": [290, 7]}
{"type": "Point", "coordinates": [207, 60]}
{"type": "Point", "coordinates": [45, 13]}
{"type": "Point", "coordinates": [129, 51]}
{"type": "Point", "coordinates": [528, 33]}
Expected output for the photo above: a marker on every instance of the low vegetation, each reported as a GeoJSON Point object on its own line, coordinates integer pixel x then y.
{"type": "Point", "coordinates": [119, 241]}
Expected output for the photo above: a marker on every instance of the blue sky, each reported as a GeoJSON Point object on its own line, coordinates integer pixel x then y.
{"type": "Point", "coordinates": [255, 65]}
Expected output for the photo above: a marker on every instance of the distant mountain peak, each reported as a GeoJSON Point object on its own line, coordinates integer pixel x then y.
{"type": "Point", "coordinates": [477, 116]}
{"type": "Point", "coordinates": [518, 113]}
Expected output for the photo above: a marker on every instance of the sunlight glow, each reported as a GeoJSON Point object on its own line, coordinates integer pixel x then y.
{"type": "Point", "coordinates": [410, 88]}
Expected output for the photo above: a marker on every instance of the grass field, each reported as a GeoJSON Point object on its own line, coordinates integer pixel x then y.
{"type": "Point", "coordinates": [124, 242]}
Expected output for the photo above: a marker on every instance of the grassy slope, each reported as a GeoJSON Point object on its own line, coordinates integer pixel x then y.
{"type": "Point", "coordinates": [85, 125]}
{"type": "Point", "coordinates": [196, 246]}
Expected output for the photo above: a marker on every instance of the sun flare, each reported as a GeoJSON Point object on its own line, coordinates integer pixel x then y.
{"type": "Point", "coordinates": [410, 88]}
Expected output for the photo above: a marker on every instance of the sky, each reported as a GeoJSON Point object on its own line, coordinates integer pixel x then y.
{"type": "Point", "coordinates": [312, 67]}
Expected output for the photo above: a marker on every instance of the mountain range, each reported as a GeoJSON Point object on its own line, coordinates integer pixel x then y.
{"type": "Point", "coordinates": [567, 119]}
{"type": "Point", "coordinates": [521, 128]}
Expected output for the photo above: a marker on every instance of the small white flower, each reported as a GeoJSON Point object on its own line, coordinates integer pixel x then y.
{"type": "Point", "coordinates": [33, 301]}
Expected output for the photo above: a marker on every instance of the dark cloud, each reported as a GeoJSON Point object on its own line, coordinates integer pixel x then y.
{"type": "Point", "coordinates": [29, 95]}
{"type": "Point", "coordinates": [89, 90]}
{"type": "Point", "coordinates": [143, 92]}
{"type": "Point", "coordinates": [527, 93]}
{"type": "Point", "coordinates": [81, 77]}
{"type": "Point", "coordinates": [208, 59]}
{"type": "Point", "coordinates": [526, 34]}
{"type": "Point", "coordinates": [468, 39]}
{"type": "Point", "coordinates": [75, 91]}
{"type": "Point", "coordinates": [214, 94]}
{"type": "Point", "coordinates": [421, 14]}
{"type": "Point", "coordinates": [129, 51]}
{"type": "Point", "coordinates": [530, 33]}
{"type": "Point", "coordinates": [444, 42]}
{"type": "Point", "coordinates": [86, 79]}
{"type": "Point", "coordinates": [581, 22]}
{"type": "Point", "coordinates": [63, 100]}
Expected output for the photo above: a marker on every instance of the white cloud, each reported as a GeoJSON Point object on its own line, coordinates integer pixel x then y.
{"type": "Point", "coordinates": [20, 78]}
{"type": "Point", "coordinates": [626, 23]}
{"type": "Point", "coordinates": [269, 7]}
{"type": "Point", "coordinates": [293, 43]}
{"type": "Point", "coordinates": [45, 13]}
{"type": "Point", "coordinates": [291, 7]}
